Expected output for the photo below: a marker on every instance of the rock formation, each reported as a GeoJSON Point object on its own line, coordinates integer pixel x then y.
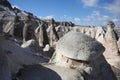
{"type": "Point", "coordinates": [112, 46]}
{"type": "Point", "coordinates": [78, 51]}
{"type": "Point", "coordinates": [5, 73]}
{"type": "Point", "coordinates": [111, 39]}
{"type": "Point", "coordinates": [32, 45]}
{"type": "Point", "coordinates": [18, 55]}
{"type": "Point", "coordinates": [18, 29]}
{"type": "Point", "coordinates": [100, 34]}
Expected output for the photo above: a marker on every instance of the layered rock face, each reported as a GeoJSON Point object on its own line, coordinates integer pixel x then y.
{"type": "Point", "coordinates": [111, 44]}
{"type": "Point", "coordinates": [88, 65]}
{"type": "Point", "coordinates": [5, 73]}
{"type": "Point", "coordinates": [111, 40]}
{"type": "Point", "coordinates": [27, 40]}
{"type": "Point", "coordinates": [84, 48]}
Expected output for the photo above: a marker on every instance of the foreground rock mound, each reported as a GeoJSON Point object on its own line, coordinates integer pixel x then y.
{"type": "Point", "coordinates": [13, 57]}
{"type": "Point", "coordinates": [68, 46]}
{"type": "Point", "coordinates": [5, 73]}
{"type": "Point", "coordinates": [78, 64]}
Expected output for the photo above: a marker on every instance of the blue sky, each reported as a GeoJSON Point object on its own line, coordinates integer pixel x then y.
{"type": "Point", "coordinates": [82, 12]}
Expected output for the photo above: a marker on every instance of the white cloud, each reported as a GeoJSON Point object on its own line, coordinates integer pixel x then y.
{"type": "Point", "coordinates": [103, 18]}
{"type": "Point", "coordinates": [96, 18]}
{"type": "Point", "coordinates": [77, 19]}
{"type": "Point", "coordinates": [95, 13]}
{"type": "Point", "coordinates": [15, 6]}
{"type": "Point", "coordinates": [115, 20]}
{"type": "Point", "coordinates": [114, 7]}
{"type": "Point", "coordinates": [90, 3]}
{"type": "Point", "coordinates": [47, 17]}
{"type": "Point", "coordinates": [65, 16]}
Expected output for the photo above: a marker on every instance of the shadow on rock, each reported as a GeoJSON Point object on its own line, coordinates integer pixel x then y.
{"type": "Point", "coordinates": [37, 72]}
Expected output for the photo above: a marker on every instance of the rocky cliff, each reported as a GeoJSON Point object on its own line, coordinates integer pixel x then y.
{"type": "Point", "coordinates": [27, 40]}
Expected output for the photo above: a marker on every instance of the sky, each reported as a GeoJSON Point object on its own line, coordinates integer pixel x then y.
{"type": "Point", "coordinates": [81, 12]}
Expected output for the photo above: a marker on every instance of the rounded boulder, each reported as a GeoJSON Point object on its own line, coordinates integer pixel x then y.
{"type": "Point", "coordinates": [78, 46]}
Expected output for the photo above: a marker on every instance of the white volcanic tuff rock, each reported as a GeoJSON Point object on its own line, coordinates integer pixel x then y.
{"type": "Point", "coordinates": [7, 17]}
{"type": "Point", "coordinates": [111, 41]}
{"type": "Point", "coordinates": [79, 46]}
{"type": "Point", "coordinates": [118, 43]}
{"type": "Point", "coordinates": [8, 26]}
{"type": "Point", "coordinates": [100, 34]}
{"type": "Point", "coordinates": [52, 35]}
{"type": "Point", "coordinates": [112, 46]}
{"type": "Point", "coordinates": [22, 15]}
{"type": "Point", "coordinates": [6, 14]}
{"type": "Point", "coordinates": [31, 45]}
{"type": "Point", "coordinates": [112, 59]}
{"type": "Point", "coordinates": [18, 56]}
{"type": "Point", "coordinates": [47, 47]}
{"type": "Point", "coordinates": [7, 10]}
{"type": "Point", "coordinates": [93, 32]}
{"type": "Point", "coordinates": [61, 30]}
{"type": "Point", "coordinates": [90, 31]}
{"type": "Point", "coordinates": [5, 73]}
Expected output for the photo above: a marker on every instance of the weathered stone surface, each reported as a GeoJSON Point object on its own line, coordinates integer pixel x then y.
{"type": "Point", "coordinates": [113, 60]}
{"type": "Point", "coordinates": [79, 46]}
{"type": "Point", "coordinates": [100, 34]}
{"type": "Point", "coordinates": [97, 69]}
{"type": "Point", "coordinates": [90, 31]}
{"type": "Point", "coordinates": [31, 45]}
{"type": "Point", "coordinates": [5, 73]}
{"type": "Point", "coordinates": [118, 43]}
{"type": "Point", "coordinates": [28, 30]}
{"type": "Point", "coordinates": [111, 41]}
{"type": "Point", "coordinates": [17, 56]}
{"type": "Point", "coordinates": [40, 34]}
{"type": "Point", "coordinates": [52, 73]}
{"type": "Point", "coordinates": [47, 48]}
{"type": "Point", "coordinates": [5, 3]}
{"type": "Point", "coordinates": [112, 47]}
{"type": "Point", "coordinates": [61, 30]}
{"type": "Point", "coordinates": [52, 35]}
{"type": "Point", "coordinates": [101, 70]}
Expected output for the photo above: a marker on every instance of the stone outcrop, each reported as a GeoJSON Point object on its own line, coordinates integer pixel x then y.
{"type": "Point", "coordinates": [32, 45]}
{"type": "Point", "coordinates": [6, 3]}
{"type": "Point", "coordinates": [5, 73]}
{"type": "Point", "coordinates": [111, 40]}
{"type": "Point", "coordinates": [100, 34]}
{"type": "Point", "coordinates": [15, 30]}
{"type": "Point", "coordinates": [118, 43]}
{"type": "Point", "coordinates": [68, 45]}
{"type": "Point", "coordinates": [17, 56]}
{"type": "Point", "coordinates": [111, 44]}
{"type": "Point", "coordinates": [90, 63]}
